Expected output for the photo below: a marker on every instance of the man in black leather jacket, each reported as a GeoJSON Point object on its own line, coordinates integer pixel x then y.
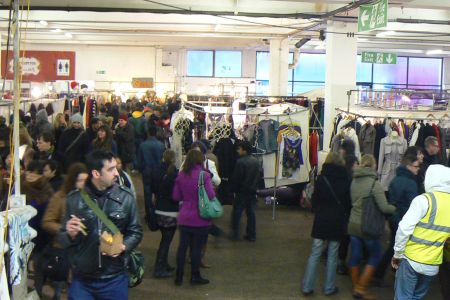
{"type": "Point", "coordinates": [97, 275]}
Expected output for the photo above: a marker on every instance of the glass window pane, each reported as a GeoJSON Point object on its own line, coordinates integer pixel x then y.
{"type": "Point", "coordinates": [424, 71]}
{"type": "Point", "coordinates": [200, 63]}
{"type": "Point", "coordinates": [363, 71]}
{"type": "Point", "coordinates": [388, 86]}
{"type": "Point", "coordinates": [289, 89]}
{"type": "Point", "coordinates": [303, 87]}
{"type": "Point", "coordinates": [311, 67]}
{"type": "Point", "coordinates": [228, 64]}
{"type": "Point", "coordinates": [262, 65]}
{"type": "Point", "coordinates": [262, 88]}
{"type": "Point", "coordinates": [393, 74]}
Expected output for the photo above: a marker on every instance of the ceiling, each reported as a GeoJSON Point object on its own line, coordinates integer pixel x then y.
{"type": "Point", "coordinates": [415, 26]}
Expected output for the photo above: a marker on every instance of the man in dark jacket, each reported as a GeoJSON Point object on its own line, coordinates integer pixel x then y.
{"type": "Point", "coordinates": [125, 140]}
{"type": "Point", "coordinates": [95, 274]}
{"type": "Point", "coordinates": [244, 184]}
{"type": "Point", "coordinates": [402, 190]}
{"type": "Point", "coordinates": [42, 124]}
{"type": "Point", "coordinates": [73, 143]}
{"type": "Point", "coordinates": [150, 157]}
{"type": "Point", "coordinates": [430, 158]}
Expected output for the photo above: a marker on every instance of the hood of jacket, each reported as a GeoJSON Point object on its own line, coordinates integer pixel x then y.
{"type": "Point", "coordinates": [42, 116]}
{"type": "Point", "coordinates": [404, 172]}
{"type": "Point", "coordinates": [437, 179]}
{"type": "Point", "coordinates": [364, 172]}
{"type": "Point", "coordinates": [137, 114]}
{"type": "Point", "coordinates": [36, 187]}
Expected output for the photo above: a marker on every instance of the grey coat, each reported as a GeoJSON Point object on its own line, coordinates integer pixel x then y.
{"type": "Point", "coordinates": [367, 139]}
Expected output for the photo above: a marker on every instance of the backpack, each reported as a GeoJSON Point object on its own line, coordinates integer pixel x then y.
{"type": "Point", "coordinates": [135, 268]}
{"type": "Point", "coordinates": [372, 219]}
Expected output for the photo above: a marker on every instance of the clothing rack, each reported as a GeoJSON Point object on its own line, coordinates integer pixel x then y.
{"type": "Point", "coordinates": [198, 108]}
{"type": "Point", "coordinates": [429, 118]}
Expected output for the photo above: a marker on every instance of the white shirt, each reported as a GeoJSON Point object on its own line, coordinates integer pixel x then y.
{"type": "Point", "coordinates": [417, 210]}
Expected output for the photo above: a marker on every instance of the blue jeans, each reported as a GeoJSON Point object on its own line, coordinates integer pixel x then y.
{"type": "Point", "coordinates": [247, 203]}
{"type": "Point", "coordinates": [410, 285]}
{"type": "Point", "coordinates": [115, 288]}
{"type": "Point", "coordinates": [372, 246]}
{"type": "Point", "coordinates": [311, 267]}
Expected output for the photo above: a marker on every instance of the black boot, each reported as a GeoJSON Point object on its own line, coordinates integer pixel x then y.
{"type": "Point", "coordinates": [197, 279]}
{"type": "Point", "coordinates": [168, 267]}
{"type": "Point", "coordinates": [160, 270]}
{"type": "Point", "coordinates": [179, 278]}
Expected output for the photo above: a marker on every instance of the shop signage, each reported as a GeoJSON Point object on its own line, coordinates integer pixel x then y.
{"type": "Point", "coordinates": [142, 83]}
{"type": "Point", "coordinates": [379, 58]}
{"type": "Point", "coordinates": [63, 67]}
{"type": "Point", "coordinates": [373, 16]}
{"type": "Point", "coordinates": [30, 65]}
{"type": "Point", "coordinates": [41, 66]}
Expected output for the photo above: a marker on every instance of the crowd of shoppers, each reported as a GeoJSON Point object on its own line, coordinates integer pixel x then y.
{"type": "Point", "coordinates": [416, 208]}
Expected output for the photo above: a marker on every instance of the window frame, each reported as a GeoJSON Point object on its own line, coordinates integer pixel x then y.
{"type": "Point", "coordinates": [213, 62]}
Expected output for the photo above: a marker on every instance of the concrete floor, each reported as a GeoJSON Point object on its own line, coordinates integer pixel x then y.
{"type": "Point", "coordinates": [270, 268]}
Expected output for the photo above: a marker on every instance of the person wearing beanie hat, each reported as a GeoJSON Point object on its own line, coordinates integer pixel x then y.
{"type": "Point", "coordinates": [73, 143]}
{"type": "Point", "coordinates": [125, 140]}
{"type": "Point", "coordinates": [76, 118]}
{"type": "Point", "coordinates": [123, 117]}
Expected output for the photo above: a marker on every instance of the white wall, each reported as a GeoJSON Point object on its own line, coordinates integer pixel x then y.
{"type": "Point", "coordinates": [120, 64]}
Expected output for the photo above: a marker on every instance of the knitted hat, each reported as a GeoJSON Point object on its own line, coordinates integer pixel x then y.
{"type": "Point", "coordinates": [123, 116]}
{"type": "Point", "coordinates": [76, 118]}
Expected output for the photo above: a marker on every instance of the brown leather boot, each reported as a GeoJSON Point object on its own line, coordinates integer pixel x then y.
{"type": "Point", "coordinates": [355, 276]}
{"type": "Point", "coordinates": [360, 291]}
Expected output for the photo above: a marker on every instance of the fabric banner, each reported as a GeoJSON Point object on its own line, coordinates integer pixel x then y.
{"type": "Point", "coordinates": [41, 66]}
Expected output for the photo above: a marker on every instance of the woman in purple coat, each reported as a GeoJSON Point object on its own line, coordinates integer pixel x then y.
{"type": "Point", "coordinates": [193, 229]}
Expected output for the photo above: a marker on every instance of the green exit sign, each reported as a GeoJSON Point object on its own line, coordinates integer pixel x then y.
{"type": "Point", "coordinates": [102, 72]}
{"type": "Point", "coordinates": [379, 58]}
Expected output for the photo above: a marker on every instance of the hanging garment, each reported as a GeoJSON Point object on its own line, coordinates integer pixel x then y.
{"type": "Point", "coordinates": [291, 157]}
{"type": "Point", "coordinates": [267, 135]}
{"type": "Point", "coordinates": [381, 133]}
{"type": "Point", "coordinates": [391, 153]}
{"type": "Point", "coordinates": [313, 149]}
{"type": "Point", "coordinates": [351, 134]}
{"type": "Point", "coordinates": [367, 138]}
{"type": "Point", "coordinates": [415, 135]}
{"type": "Point", "coordinates": [437, 133]}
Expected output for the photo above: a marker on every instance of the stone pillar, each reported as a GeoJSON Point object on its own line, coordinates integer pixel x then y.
{"type": "Point", "coordinates": [279, 64]}
{"type": "Point", "coordinates": [341, 57]}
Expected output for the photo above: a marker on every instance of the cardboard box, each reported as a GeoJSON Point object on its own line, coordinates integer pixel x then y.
{"type": "Point", "coordinates": [111, 244]}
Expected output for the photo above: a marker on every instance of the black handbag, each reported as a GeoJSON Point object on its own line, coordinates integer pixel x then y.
{"type": "Point", "coordinates": [54, 263]}
{"type": "Point", "coordinates": [372, 219]}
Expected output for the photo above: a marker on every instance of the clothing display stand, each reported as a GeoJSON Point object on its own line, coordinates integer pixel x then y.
{"type": "Point", "coordinates": [276, 117]}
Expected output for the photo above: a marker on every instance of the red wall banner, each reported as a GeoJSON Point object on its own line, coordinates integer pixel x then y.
{"type": "Point", "coordinates": [40, 66]}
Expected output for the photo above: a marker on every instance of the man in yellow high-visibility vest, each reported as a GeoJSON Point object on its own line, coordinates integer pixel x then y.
{"type": "Point", "coordinates": [421, 236]}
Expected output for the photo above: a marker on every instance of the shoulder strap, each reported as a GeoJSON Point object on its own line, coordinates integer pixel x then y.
{"type": "Point", "coordinates": [331, 190]}
{"type": "Point", "coordinates": [98, 212]}
{"type": "Point", "coordinates": [74, 142]}
{"type": "Point", "coordinates": [201, 182]}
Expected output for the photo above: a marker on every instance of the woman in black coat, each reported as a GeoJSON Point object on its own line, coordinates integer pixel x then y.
{"type": "Point", "coordinates": [331, 204]}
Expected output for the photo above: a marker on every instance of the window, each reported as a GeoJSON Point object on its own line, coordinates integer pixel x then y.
{"type": "Point", "coordinates": [200, 63]}
{"type": "Point", "coordinates": [391, 74]}
{"type": "Point", "coordinates": [311, 67]}
{"type": "Point", "coordinates": [228, 64]}
{"type": "Point", "coordinates": [424, 71]}
{"type": "Point", "coordinates": [262, 65]}
{"type": "Point", "coordinates": [363, 71]}
{"type": "Point", "coordinates": [210, 63]}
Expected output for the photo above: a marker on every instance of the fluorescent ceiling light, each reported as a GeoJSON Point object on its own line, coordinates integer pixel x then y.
{"type": "Point", "coordinates": [434, 52]}
{"type": "Point", "coordinates": [68, 34]}
{"type": "Point", "coordinates": [43, 23]}
{"type": "Point", "coordinates": [320, 47]}
{"type": "Point", "coordinates": [56, 30]}
{"type": "Point", "coordinates": [385, 33]}
{"type": "Point", "coordinates": [362, 40]}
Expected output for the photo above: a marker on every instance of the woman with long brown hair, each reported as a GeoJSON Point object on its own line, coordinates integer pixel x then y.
{"type": "Point", "coordinates": [193, 228]}
{"type": "Point", "coordinates": [104, 140]}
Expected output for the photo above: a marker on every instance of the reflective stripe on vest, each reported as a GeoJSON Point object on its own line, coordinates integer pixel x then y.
{"type": "Point", "coordinates": [428, 239]}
